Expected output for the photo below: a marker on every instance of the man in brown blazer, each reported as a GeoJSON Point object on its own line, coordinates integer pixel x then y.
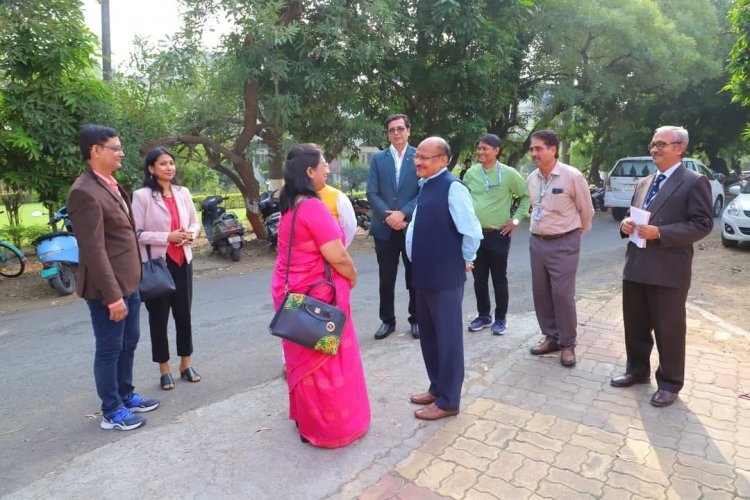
{"type": "Point", "coordinates": [108, 275]}
{"type": "Point", "coordinates": [656, 278]}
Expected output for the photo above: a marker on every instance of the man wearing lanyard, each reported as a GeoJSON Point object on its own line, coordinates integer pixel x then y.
{"type": "Point", "coordinates": [561, 212]}
{"type": "Point", "coordinates": [493, 187]}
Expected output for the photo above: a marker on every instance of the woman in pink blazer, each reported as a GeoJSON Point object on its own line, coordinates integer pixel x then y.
{"type": "Point", "coordinates": [165, 219]}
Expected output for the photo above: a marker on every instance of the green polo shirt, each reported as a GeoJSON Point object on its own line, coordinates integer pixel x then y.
{"type": "Point", "coordinates": [492, 200]}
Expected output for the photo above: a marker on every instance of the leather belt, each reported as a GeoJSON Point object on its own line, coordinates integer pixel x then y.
{"type": "Point", "coordinates": [490, 229]}
{"type": "Point", "coordinates": [553, 236]}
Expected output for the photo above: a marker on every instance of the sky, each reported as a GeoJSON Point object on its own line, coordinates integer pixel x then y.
{"type": "Point", "coordinates": [153, 19]}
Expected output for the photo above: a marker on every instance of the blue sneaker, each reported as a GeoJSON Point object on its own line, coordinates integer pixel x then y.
{"type": "Point", "coordinates": [499, 327]}
{"type": "Point", "coordinates": [122, 420]}
{"type": "Point", "coordinates": [138, 404]}
{"type": "Point", "coordinates": [480, 323]}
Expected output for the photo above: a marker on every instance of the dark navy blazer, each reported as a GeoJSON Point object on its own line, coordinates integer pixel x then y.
{"type": "Point", "coordinates": [383, 194]}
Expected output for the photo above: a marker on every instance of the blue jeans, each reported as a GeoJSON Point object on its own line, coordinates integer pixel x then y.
{"type": "Point", "coordinates": [115, 351]}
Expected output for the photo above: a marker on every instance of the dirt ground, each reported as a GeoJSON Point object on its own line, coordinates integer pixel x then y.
{"type": "Point", "coordinates": [721, 277]}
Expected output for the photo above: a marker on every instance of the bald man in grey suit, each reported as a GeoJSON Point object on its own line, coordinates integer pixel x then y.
{"type": "Point", "coordinates": [656, 278]}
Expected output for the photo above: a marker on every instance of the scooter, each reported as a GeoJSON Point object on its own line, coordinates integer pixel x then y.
{"type": "Point", "coordinates": [597, 198]}
{"type": "Point", "coordinates": [363, 211]}
{"type": "Point", "coordinates": [269, 210]}
{"type": "Point", "coordinates": [58, 253]}
{"type": "Point", "coordinates": [223, 229]}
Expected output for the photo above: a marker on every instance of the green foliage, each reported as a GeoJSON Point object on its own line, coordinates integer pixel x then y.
{"type": "Point", "coordinates": [354, 175]}
{"type": "Point", "coordinates": [21, 235]}
{"type": "Point", "coordinates": [49, 90]}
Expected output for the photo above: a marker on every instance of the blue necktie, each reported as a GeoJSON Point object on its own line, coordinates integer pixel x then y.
{"type": "Point", "coordinates": [654, 189]}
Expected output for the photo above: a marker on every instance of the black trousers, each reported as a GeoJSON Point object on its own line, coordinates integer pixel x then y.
{"type": "Point", "coordinates": [388, 253]}
{"type": "Point", "coordinates": [180, 303]}
{"type": "Point", "coordinates": [441, 337]}
{"type": "Point", "coordinates": [660, 309]}
{"type": "Point", "coordinates": [492, 259]}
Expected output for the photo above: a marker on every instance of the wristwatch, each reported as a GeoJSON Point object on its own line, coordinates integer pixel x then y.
{"type": "Point", "coordinates": [515, 222]}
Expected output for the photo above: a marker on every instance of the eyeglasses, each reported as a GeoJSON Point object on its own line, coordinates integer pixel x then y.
{"type": "Point", "coordinates": [116, 149]}
{"type": "Point", "coordinates": [394, 130]}
{"type": "Point", "coordinates": [659, 145]}
{"type": "Point", "coordinates": [424, 157]}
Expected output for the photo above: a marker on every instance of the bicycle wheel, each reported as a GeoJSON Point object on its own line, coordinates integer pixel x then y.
{"type": "Point", "coordinates": [12, 262]}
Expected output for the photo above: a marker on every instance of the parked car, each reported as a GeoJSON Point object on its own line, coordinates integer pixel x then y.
{"type": "Point", "coordinates": [626, 173]}
{"type": "Point", "coordinates": [735, 221]}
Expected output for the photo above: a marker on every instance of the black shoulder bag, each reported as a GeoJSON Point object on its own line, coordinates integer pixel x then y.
{"type": "Point", "coordinates": [307, 321]}
{"type": "Point", "coordinates": [156, 281]}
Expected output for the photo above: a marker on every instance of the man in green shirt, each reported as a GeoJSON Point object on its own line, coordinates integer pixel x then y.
{"type": "Point", "coordinates": [493, 187]}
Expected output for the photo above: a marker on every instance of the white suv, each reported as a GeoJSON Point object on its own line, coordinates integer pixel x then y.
{"type": "Point", "coordinates": [627, 172]}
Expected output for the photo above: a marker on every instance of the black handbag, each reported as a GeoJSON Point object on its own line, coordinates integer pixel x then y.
{"type": "Point", "coordinates": [156, 280]}
{"type": "Point", "coordinates": [307, 321]}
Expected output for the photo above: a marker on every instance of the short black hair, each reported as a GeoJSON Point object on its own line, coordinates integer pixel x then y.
{"type": "Point", "coordinates": [91, 135]}
{"type": "Point", "coordinates": [468, 160]}
{"type": "Point", "coordinates": [296, 180]}
{"type": "Point", "coordinates": [490, 139]}
{"type": "Point", "coordinates": [399, 116]}
{"type": "Point", "coordinates": [549, 138]}
{"type": "Point", "coordinates": [149, 180]}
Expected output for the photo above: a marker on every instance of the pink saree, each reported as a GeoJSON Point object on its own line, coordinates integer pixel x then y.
{"type": "Point", "coordinates": [327, 394]}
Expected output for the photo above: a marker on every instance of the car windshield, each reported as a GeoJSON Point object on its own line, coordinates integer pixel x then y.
{"type": "Point", "coordinates": [746, 188]}
{"type": "Point", "coordinates": [633, 168]}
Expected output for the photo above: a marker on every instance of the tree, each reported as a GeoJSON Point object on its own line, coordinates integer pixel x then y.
{"type": "Point", "coordinates": [48, 90]}
{"type": "Point", "coordinates": [354, 175]}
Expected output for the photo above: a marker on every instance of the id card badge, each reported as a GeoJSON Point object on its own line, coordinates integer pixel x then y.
{"type": "Point", "coordinates": [537, 215]}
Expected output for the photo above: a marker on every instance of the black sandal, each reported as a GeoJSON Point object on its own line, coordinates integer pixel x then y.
{"type": "Point", "coordinates": [190, 375]}
{"type": "Point", "coordinates": [166, 380]}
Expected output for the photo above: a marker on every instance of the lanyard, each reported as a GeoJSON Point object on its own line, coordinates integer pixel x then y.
{"type": "Point", "coordinates": [543, 188]}
{"type": "Point", "coordinates": [487, 185]}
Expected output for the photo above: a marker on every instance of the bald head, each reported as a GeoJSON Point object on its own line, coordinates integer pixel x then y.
{"type": "Point", "coordinates": [433, 154]}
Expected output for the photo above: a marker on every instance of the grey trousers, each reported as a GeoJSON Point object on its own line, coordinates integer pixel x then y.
{"type": "Point", "coordinates": [554, 264]}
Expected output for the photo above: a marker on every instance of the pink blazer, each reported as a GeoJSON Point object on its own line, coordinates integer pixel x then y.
{"type": "Point", "coordinates": [152, 217]}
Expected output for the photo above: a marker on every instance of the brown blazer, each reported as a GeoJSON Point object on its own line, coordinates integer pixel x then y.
{"type": "Point", "coordinates": [682, 211]}
{"type": "Point", "coordinates": [109, 266]}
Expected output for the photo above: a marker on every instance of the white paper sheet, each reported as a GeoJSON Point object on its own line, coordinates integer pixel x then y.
{"type": "Point", "coordinates": [639, 217]}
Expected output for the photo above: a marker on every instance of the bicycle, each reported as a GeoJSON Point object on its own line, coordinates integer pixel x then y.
{"type": "Point", "coordinates": [12, 260]}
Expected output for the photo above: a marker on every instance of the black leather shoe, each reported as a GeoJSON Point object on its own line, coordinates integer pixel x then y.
{"type": "Point", "coordinates": [663, 397]}
{"type": "Point", "coordinates": [385, 330]}
{"type": "Point", "coordinates": [415, 330]}
{"type": "Point", "coordinates": [628, 379]}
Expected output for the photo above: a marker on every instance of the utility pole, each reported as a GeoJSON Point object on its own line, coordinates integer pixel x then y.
{"type": "Point", "coordinates": [106, 45]}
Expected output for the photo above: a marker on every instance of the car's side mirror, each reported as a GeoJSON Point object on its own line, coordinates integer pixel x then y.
{"type": "Point", "coordinates": [735, 190]}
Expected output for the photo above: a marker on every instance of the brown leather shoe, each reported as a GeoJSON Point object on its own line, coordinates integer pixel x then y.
{"type": "Point", "coordinates": [423, 398]}
{"type": "Point", "coordinates": [432, 412]}
{"type": "Point", "coordinates": [628, 379]}
{"type": "Point", "coordinates": [568, 357]}
{"type": "Point", "coordinates": [545, 347]}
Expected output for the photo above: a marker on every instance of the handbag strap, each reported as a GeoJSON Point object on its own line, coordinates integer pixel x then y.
{"type": "Point", "coordinates": [328, 281]}
{"type": "Point", "coordinates": [148, 246]}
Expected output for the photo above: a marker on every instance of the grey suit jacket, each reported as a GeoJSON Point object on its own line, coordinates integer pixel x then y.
{"type": "Point", "coordinates": [383, 193]}
{"type": "Point", "coordinates": [682, 211]}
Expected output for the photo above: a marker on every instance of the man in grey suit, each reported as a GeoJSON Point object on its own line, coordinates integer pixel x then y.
{"type": "Point", "coordinates": [656, 278]}
{"type": "Point", "coordinates": [392, 191]}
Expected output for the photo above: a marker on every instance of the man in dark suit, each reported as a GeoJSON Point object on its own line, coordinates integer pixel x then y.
{"type": "Point", "coordinates": [108, 275]}
{"type": "Point", "coordinates": [656, 278]}
{"type": "Point", "coordinates": [392, 191]}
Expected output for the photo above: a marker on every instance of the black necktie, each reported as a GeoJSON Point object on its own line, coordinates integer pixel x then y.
{"type": "Point", "coordinates": [654, 189]}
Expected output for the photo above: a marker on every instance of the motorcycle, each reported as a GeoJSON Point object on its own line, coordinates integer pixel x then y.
{"type": "Point", "coordinates": [223, 229]}
{"type": "Point", "coordinates": [269, 210]}
{"type": "Point", "coordinates": [58, 253]}
{"type": "Point", "coordinates": [597, 198]}
{"type": "Point", "coordinates": [363, 211]}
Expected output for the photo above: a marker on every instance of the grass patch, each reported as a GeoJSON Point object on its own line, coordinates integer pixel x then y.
{"type": "Point", "coordinates": [26, 218]}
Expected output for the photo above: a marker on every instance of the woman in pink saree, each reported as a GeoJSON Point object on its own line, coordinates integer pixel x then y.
{"type": "Point", "coordinates": [327, 394]}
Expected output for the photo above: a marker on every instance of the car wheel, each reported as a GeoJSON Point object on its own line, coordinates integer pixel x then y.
{"type": "Point", "coordinates": [728, 243]}
{"type": "Point", "coordinates": [618, 213]}
{"type": "Point", "coordinates": [718, 205]}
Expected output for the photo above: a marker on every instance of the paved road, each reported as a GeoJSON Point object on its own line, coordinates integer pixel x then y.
{"type": "Point", "coordinates": [46, 355]}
